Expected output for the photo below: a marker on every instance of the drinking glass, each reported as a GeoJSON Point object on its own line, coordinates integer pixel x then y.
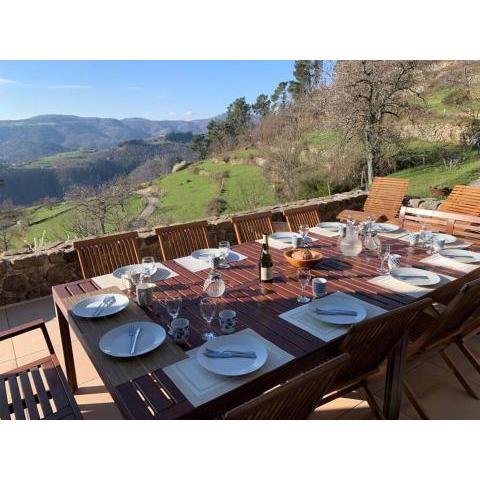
{"type": "Point", "coordinates": [304, 279]}
{"type": "Point", "coordinates": [173, 305]}
{"type": "Point", "coordinates": [224, 247]}
{"type": "Point", "coordinates": [383, 254]}
{"type": "Point", "coordinates": [303, 230]}
{"type": "Point", "coordinates": [148, 265]}
{"type": "Point", "coordinates": [208, 309]}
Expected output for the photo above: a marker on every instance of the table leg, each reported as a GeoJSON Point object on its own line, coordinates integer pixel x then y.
{"type": "Point", "coordinates": [394, 380]}
{"type": "Point", "coordinates": [67, 349]}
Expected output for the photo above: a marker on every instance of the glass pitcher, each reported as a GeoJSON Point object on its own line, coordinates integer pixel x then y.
{"type": "Point", "coordinates": [214, 285]}
{"type": "Point", "coordinates": [350, 244]}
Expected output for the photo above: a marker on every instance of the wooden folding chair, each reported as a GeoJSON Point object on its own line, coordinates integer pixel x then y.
{"type": "Point", "coordinates": [102, 255]}
{"type": "Point", "coordinates": [383, 202]}
{"type": "Point", "coordinates": [463, 199]}
{"type": "Point", "coordinates": [369, 343]}
{"type": "Point", "coordinates": [293, 400]}
{"type": "Point", "coordinates": [295, 217]}
{"type": "Point", "coordinates": [449, 323]}
{"type": "Point", "coordinates": [39, 390]}
{"type": "Point", "coordinates": [249, 228]}
{"type": "Point", "coordinates": [181, 240]}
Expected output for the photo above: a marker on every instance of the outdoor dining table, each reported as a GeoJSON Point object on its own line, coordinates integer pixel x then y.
{"type": "Point", "coordinates": [142, 391]}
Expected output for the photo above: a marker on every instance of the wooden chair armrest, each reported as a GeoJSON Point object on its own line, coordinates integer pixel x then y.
{"type": "Point", "coordinates": [28, 327]}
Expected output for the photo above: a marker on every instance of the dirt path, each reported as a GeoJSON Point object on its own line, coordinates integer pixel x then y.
{"type": "Point", "coordinates": [149, 209]}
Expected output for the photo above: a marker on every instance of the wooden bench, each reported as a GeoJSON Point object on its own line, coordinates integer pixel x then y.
{"type": "Point", "coordinates": [383, 202]}
{"type": "Point", "coordinates": [460, 225]}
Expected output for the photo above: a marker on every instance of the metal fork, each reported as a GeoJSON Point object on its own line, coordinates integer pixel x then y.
{"type": "Point", "coordinates": [131, 334]}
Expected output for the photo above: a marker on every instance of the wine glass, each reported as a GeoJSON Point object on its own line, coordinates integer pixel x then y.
{"type": "Point", "coordinates": [173, 305]}
{"type": "Point", "coordinates": [149, 266]}
{"type": "Point", "coordinates": [384, 255]}
{"type": "Point", "coordinates": [224, 247]}
{"type": "Point", "coordinates": [208, 309]}
{"type": "Point", "coordinates": [304, 276]}
{"type": "Point", "coordinates": [303, 230]}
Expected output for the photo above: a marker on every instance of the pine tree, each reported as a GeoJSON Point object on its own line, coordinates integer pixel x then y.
{"type": "Point", "coordinates": [262, 106]}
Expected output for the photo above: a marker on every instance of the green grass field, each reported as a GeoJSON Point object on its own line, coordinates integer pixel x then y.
{"type": "Point", "coordinates": [53, 221]}
{"type": "Point", "coordinates": [189, 192]}
{"type": "Point", "coordinates": [59, 158]}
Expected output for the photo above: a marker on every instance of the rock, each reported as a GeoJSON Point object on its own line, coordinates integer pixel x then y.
{"type": "Point", "coordinates": [17, 283]}
{"type": "Point", "coordinates": [29, 260]}
{"type": "Point", "coordinates": [179, 166]}
{"type": "Point", "coordinates": [60, 273]}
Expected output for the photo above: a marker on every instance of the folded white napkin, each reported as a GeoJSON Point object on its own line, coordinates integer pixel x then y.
{"type": "Point", "coordinates": [302, 318]}
{"type": "Point", "coordinates": [200, 386]}
{"type": "Point", "coordinates": [441, 261]}
{"type": "Point", "coordinates": [390, 283]}
{"type": "Point", "coordinates": [324, 232]}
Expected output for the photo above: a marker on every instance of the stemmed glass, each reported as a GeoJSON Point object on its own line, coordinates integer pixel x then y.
{"type": "Point", "coordinates": [304, 276]}
{"type": "Point", "coordinates": [208, 309]}
{"type": "Point", "coordinates": [224, 247]}
{"type": "Point", "coordinates": [303, 230]}
{"type": "Point", "coordinates": [173, 305]}
{"type": "Point", "coordinates": [148, 265]}
{"type": "Point", "coordinates": [383, 254]}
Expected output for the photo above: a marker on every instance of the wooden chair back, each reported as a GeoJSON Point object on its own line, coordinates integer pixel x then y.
{"type": "Point", "coordinates": [458, 224]}
{"type": "Point", "coordinates": [181, 240]}
{"type": "Point", "coordinates": [295, 217]}
{"type": "Point", "coordinates": [463, 199]}
{"type": "Point", "coordinates": [102, 255]}
{"type": "Point", "coordinates": [295, 399]}
{"type": "Point", "coordinates": [456, 317]}
{"type": "Point", "coordinates": [370, 342]}
{"type": "Point", "coordinates": [249, 228]}
{"type": "Point", "coordinates": [386, 195]}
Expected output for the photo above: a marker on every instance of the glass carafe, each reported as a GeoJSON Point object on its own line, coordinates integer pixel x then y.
{"type": "Point", "coordinates": [350, 244]}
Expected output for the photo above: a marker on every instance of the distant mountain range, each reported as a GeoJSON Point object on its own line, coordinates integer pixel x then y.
{"type": "Point", "coordinates": [31, 138]}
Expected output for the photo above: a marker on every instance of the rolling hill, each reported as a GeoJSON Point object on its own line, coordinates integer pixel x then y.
{"type": "Point", "coordinates": [31, 138]}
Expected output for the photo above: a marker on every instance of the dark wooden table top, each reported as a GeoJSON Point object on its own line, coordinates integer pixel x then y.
{"type": "Point", "coordinates": [258, 305]}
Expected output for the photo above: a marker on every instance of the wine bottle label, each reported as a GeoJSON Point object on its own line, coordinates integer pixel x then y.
{"type": "Point", "coordinates": [266, 273]}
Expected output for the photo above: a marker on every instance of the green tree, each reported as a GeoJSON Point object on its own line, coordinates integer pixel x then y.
{"type": "Point", "coordinates": [238, 119]}
{"type": "Point", "coordinates": [280, 96]}
{"type": "Point", "coordinates": [262, 106]}
{"type": "Point", "coordinates": [199, 144]}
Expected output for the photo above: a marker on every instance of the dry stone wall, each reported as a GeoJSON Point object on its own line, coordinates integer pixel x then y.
{"type": "Point", "coordinates": [25, 275]}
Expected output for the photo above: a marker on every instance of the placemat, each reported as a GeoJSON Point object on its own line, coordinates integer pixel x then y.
{"type": "Point", "coordinates": [394, 235]}
{"type": "Point", "coordinates": [302, 318]}
{"type": "Point", "coordinates": [200, 386]}
{"type": "Point", "coordinates": [276, 244]}
{"type": "Point", "coordinates": [195, 265]}
{"type": "Point", "coordinates": [390, 283]}
{"type": "Point", "coordinates": [323, 232]}
{"type": "Point", "coordinates": [439, 261]}
{"type": "Point", "coordinates": [121, 370]}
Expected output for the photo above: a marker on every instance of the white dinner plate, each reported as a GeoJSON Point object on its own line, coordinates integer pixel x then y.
{"type": "Point", "coordinates": [89, 307]}
{"type": "Point", "coordinates": [117, 342]}
{"type": "Point", "coordinates": [287, 237]}
{"type": "Point", "coordinates": [401, 273]}
{"type": "Point", "coordinates": [445, 236]}
{"type": "Point", "coordinates": [334, 226]}
{"type": "Point", "coordinates": [333, 303]}
{"type": "Point", "coordinates": [205, 254]}
{"type": "Point", "coordinates": [385, 227]}
{"type": "Point", "coordinates": [232, 367]}
{"type": "Point", "coordinates": [160, 274]}
{"type": "Point", "coordinates": [460, 255]}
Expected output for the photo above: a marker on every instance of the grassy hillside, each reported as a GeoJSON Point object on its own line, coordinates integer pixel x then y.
{"type": "Point", "coordinates": [66, 158]}
{"type": "Point", "coordinates": [188, 193]}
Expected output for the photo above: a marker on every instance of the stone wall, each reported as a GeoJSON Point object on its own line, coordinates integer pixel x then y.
{"type": "Point", "coordinates": [25, 275]}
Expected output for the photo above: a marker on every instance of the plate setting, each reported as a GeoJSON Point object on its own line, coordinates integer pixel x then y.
{"type": "Point", "coordinates": [385, 227]}
{"type": "Point", "coordinates": [330, 310]}
{"type": "Point", "coordinates": [132, 339]}
{"type": "Point", "coordinates": [233, 355]}
{"type": "Point", "coordinates": [102, 305]}
{"type": "Point", "coordinates": [287, 237]}
{"type": "Point", "coordinates": [160, 273]}
{"type": "Point", "coordinates": [415, 276]}
{"type": "Point", "coordinates": [459, 255]}
{"type": "Point", "coordinates": [334, 226]}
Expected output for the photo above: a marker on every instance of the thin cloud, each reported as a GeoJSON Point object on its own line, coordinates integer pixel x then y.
{"type": "Point", "coordinates": [7, 81]}
{"type": "Point", "coordinates": [70, 87]}
{"type": "Point", "coordinates": [189, 113]}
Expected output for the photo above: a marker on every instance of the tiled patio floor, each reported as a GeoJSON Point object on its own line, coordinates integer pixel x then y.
{"type": "Point", "coordinates": [438, 390]}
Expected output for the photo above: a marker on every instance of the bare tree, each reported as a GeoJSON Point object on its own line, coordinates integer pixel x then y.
{"type": "Point", "coordinates": [11, 227]}
{"type": "Point", "coordinates": [366, 93]}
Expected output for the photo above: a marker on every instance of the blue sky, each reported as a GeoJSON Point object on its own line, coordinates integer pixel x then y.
{"type": "Point", "coordinates": [151, 89]}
